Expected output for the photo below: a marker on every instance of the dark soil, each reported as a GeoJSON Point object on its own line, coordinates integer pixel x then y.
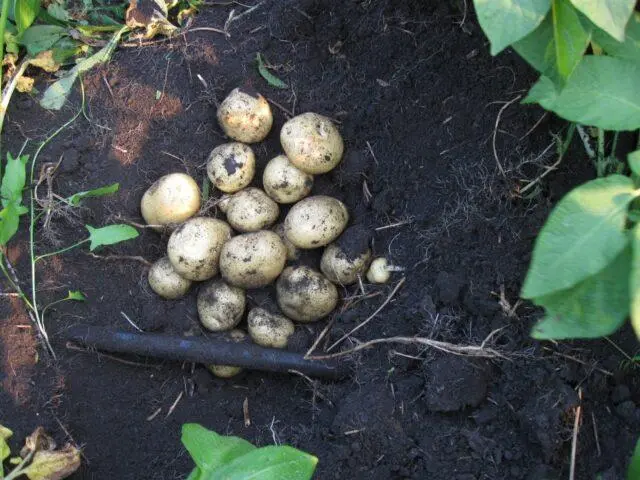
{"type": "Point", "coordinates": [416, 95]}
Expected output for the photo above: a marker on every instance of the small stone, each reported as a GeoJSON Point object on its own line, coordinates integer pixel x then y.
{"type": "Point", "coordinates": [620, 394]}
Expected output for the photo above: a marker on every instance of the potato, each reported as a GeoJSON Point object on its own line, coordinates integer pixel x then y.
{"type": "Point", "coordinates": [245, 116]}
{"type": "Point", "coordinates": [253, 260]}
{"type": "Point", "coordinates": [164, 280]}
{"type": "Point", "coordinates": [268, 329]}
{"type": "Point", "coordinates": [312, 143]}
{"type": "Point", "coordinates": [338, 267]}
{"type": "Point", "coordinates": [292, 251]}
{"type": "Point", "coordinates": [378, 271]}
{"type": "Point", "coordinates": [228, 371]}
{"type": "Point", "coordinates": [284, 182]}
{"type": "Point", "coordinates": [305, 295]}
{"type": "Point", "coordinates": [220, 306]}
{"type": "Point", "coordinates": [172, 199]}
{"type": "Point", "coordinates": [315, 221]}
{"type": "Point", "coordinates": [194, 247]}
{"type": "Point", "coordinates": [231, 166]}
{"type": "Point", "coordinates": [251, 210]}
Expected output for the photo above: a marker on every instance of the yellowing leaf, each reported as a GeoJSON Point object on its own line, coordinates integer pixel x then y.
{"type": "Point", "coordinates": [25, 84]}
{"type": "Point", "coordinates": [45, 61]}
{"type": "Point", "coordinates": [54, 464]}
{"type": "Point", "coordinates": [38, 440]}
{"type": "Point", "coordinates": [151, 15]}
{"type": "Point", "coordinates": [5, 451]}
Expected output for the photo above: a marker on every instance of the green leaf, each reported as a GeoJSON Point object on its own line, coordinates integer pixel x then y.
{"type": "Point", "coordinates": [196, 474]}
{"type": "Point", "coordinates": [633, 473]}
{"type": "Point", "coordinates": [582, 235]}
{"type": "Point", "coordinates": [5, 451]}
{"type": "Point", "coordinates": [76, 295]}
{"type": "Point", "coordinates": [110, 235]}
{"type": "Point", "coordinates": [537, 47]}
{"type": "Point", "coordinates": [9, 221]}
{"type": "Point", "coordinates": [267, 75]}
{"type": "Point", "coordinates": [268, 463]}
{"type": "Point", "coordinates": [634, 281]}
{"type": "Point", "coordinates": [544, 91]}
{"type": "Point", "coordinates": [507, 21]}
{"type": "Point", "coordinates": [25, 12]}
{"type": "Point", "coordinates": [76, 198]}
{"type": "Point", "coordinates": [39, 38]}
{"type": "Point", "coordinates": [627, 50]}
{"type": "Point", "coordinates": [610, 15]}
{"type": "Point", "coordinates": [570, 39]}
{"type": "Point", "coordinates": [58, 12]}
{"type": "Point", "coordinates": [14, 179]}
{"type": "Point", "coordinates": [634, 161]}
{"type": "Point", "coordinates": [596, 307]}
{"type": "Point", "coordinates": [210, 450]}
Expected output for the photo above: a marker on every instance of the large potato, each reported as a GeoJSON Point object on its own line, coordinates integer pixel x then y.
{"type": "Point", "coordinates": [268, 329]}
{"type": "Point", "coordinates": [231, 166]}
{"type": "Point", "coordinates": [251, 210]}
{"type": "Point", "coordinates": [166, 282]}
{"type": "Point", "coordinates": [284, 182]}
{"type": "Point", "coordinates": [305, 294]}
{"type": "Point", "coordinates": [194, 247]}
{"type": "Point", "coordinates": [312, 143]}
{"type": "Point", "coordinates": [220, 306]}
{"type": "Point", "coordinates": [253, 260]}
{"type": "Point", "coordinates": [245, 116]}
{"type": "Point", "coordinates": [171, 199]}
{"type": "Point", "coordinates": [292, 251]}
{"type": "Point", "coordinates": [315, 221]}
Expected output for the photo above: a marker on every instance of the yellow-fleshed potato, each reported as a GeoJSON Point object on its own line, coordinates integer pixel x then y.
{"type": "Point", "coordinates": [172, 199]}
{"type": "Point", "coordinates": [245, 116]}
{"type": "Point", "coordinates": [284, 182]}
{"type": "Point", "coordinates": [220, 306]}
{"type": "Point", "coordinates": [292, 251]}
{"type": "Point", "coordinates": [194, 247]}
{"type": "Point", "coordinates": [231, 166]}
{"type": "Point", "coordinates": [166, 282]}
{"type": "Point", "coordinates": [305, 295]}
{"type": "Point", "coordinates": [312, 143]}
{"type": "Point", "coordinates": [251, 210]}
{"type": "Point", "coordinates": [268, 329]}
{"type": "Point", "coordinates": [228, 371]}
{"type": "Point", "coordinates": [380, 270]}
{"type": "Point", "coordinates": [253, 260]}
{"type": "Point", "coordinates": [338, 267]}
{"type": "Point", "coordinates": [315, 221]}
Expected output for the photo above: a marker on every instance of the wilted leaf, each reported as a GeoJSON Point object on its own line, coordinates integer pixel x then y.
{"type": "Point", "coordinates": [54, 464]}
{"type": "Point", "coordinates": [267, 75]}
{"type": "Point", "coordinates": [150, 15]}
{"type": "Point", "coordinates": [76, 198]}
{"type": "Point", "coordinates": [37, 441]}
{"type": "Point", "coordinates": [46, 61]}
{"type": "Point", "coordinates": [110, 235]}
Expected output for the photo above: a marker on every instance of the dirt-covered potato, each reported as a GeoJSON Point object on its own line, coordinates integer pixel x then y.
{"type": "Point", "coordinates": [251, 210]}
{"type": "Point", "coordinates": [231, 166]}
{"type": "Point", "coordinates": [338, 267]}
{"type": "Point", "coordinates": [378, 271]}
{"type": "Point", "coordinates": [268, 329]}
{"type": "Point", "coordinates": [253, 260]}
{"type": "Point", "coordinates": [284, 182]}
{"type": "Point", "coordinates": [194, 247]}
{"type": "Point", "coordinates": [315, 221]}
{"type": "Point", "coordinates": [292, 251]}
{"type": "Point", "coordinates": [228, 371]}
{"type": "Point", "coordinates": [305, 295]}
{"type": "Point", "coordinates": [312, 143]}
{"type": "Point", "coordinates": [245, 116]}
{"type": "Point", "coordinates": [220, 306]}
{"type": "Point", "coordinates": [172, 199]}
{"type": "Point", "coordinates": [166, 282]}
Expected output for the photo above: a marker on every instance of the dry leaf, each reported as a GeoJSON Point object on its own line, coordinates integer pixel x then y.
{"type": "Point", "coordinates": [38, 440]}
{"type": "Point", "coordinates": [151, 15]}
{"type": "Point", "coordinates": [54, 464]}
{"type": "Point", "coordinates": [45, 61]}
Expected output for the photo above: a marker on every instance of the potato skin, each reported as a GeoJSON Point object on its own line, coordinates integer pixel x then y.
{"type": "Point", "coordinates": [339, 268]}
{"type": "Point", "coordinates": [268, 329]}
{"type": "Point", "coordinates": [166, 282]}
{"type": "Point", "coordinates": [315, 221]}
{"type": "Point", "coordinates": [173, 198]}
{"type": "Point", "coordinates": [220, 306]}
{"type": "Point", "coordinates": [228, 371]}
{"type": "Point", "coordinates": [245, 116]}
{"type": "Point", "coordinates": [231, 166]}
{"type": "Point", "coordinates": [378, 272]}
{"type": "Point", "coordinates": [194, 247]}
{"type": "Point", "coordinates": [284, 182]}
{"type": "Point", "coordinates": [251, 210]}
{"type": "Point", "coordinates": [312, 143]}
{"type": "Point", "coordinates": [292, 251]}
{"type": "Point", "coordinates": [253, 260]}
{"type": "Point", "coordinates": [305, 295]}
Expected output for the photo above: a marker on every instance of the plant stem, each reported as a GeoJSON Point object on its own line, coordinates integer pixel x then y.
{"type": "Point", "coordinates": [9, 89]}
{"type": "Point", "coordinates": [4, 15]}
{"type": "Point", "coordinates": [13, 284]}
{"type": "Point", "coordinates": [601, 164]}
{"type": "Point", "coordinates": [62, 250]}
{"type": "Point", "coordinates": [19, 470]}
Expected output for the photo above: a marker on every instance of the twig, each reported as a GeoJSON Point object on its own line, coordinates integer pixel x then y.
{"type": "Point", "coordinates": [371, 317]}
{"type": "Point", "coordinates": [131, 322]}
{"type": "Point", "coordinates": [154, 414]}
{"type": "Point", "coordinates": [584, 136]}
{"type": "Point", "coordinates": [595, 433]}
{"type": "Point", "coordinates": [235, 18]}
{"type": "Point", "coordinates": [245, 412]}
{"type": "Point", "coordinates": [286, 111]}
{"type": "Point", "coordinates": [71, 346]}
{"type": "Point", "coordinates": [371, 152]}
{"type": "Point", "coordinates": [134, 258]}
{"type": "Point", "coordinates": [174, 404]}
{"type": "Point", "coordinates": [324, 331]}
{"type": "Point", "coordinates": [535, 125]}
{"type": "Point", "coordinates": [495, 132]}
{"type": "Point", "coordinates": [582, 362]}
{"type": "Point", "coordinates": [574, 441]}
{"type": "Point", "coordinates": [394, 225]}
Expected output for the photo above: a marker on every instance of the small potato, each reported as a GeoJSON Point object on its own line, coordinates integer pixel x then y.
{"type": "Point", "coordinates": [194, 247]}
{"type": "Point", "coordinates": [171, 199]}
{"type": "Point", "coordinates": [338, 267]}
{"type": "Point", "coordinates": [220, 306]}
{"type": "Point", "coordinates": [228, 371]}
{"type": "Point", "coordinates": [253, 260]}
{"type": "Point", "coordinates": [284, 182]}
{"type": "Point", "coordinates": [251, 210]}
{"type": "Point", "coordinates": [305, 295]}
{"type": "Point", "coordinates": [231, 167]}
{"type": "Point", "coordinates": [315, 221]}
{"type": "Point", "coordinates": [245, 116]}
{"type": "Point", "coordinates": [268, 329]}
{"type": "Point", "coordinates": [164, 280]}
{"type": "Point", "coordinates": [292, 251]}
{"type": "Point", "coordinates": [312, 143]}
{"type": "Point", "coordinates": [378, 271]}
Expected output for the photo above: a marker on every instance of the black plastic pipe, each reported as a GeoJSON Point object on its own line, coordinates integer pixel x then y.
{"type": "Point", "coordinates": [202, 350]}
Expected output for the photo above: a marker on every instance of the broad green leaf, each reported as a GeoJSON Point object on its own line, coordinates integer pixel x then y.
{"type": "Point", "coordinates": [634, 161]}
{"type": "Point", "coordinates": [537, 47]}
{"type": "Point", "coordinates": [633, 473]}
{"type": "Point", "coordinates": [110, 235]}
{"type": "Point", "coordinates": [544, 91]}
{"type": "Point", "coordinates": [58, 12]}
{"type": "Point", "coordinates": [596, 307]}
{"type": "Point", "coordinates": [5, 451]}
{"type": "Point", "coordinates": [267, 75]}
{"type": "Point", "coordinates": [14, 179]}
{"type": "Point", "coordinates": [76, 295]}
{"type": "Point", "coordinates": [570, 39]}
{"type": "Point", "coordinates": [38, 38]}
{"type": "Point", "coordinates": [268, 463]}
{"type": "Point", "coordinates": [76, 198]}
{"type": "Point", "coordinates": [634, 280]}
{"type": "Point", "coordinates": [627, 50]}
{"type": "Point", "coordinates": [582, 235]}
{"type": "Point", "coordinates": [609, 15]}
{"type": "Point", "coordinates": [196, 474]}
{"type": "Point", "coordinates": [507, 21]}
{"type": "Point", "coordinates": [210, 450]}
{"type": "Point", "coordinates": [9, 221]}
{"type": "Point", "coordinates": [25, 12]}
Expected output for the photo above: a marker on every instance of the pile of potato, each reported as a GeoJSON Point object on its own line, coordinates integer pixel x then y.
{"type": "Point", "coordinates": [249, 250]}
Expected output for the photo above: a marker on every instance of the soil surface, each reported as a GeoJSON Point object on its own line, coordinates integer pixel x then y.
{"type": "Point", "coordinates": [423, 109]}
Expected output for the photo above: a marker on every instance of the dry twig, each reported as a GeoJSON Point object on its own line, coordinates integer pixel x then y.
{"type": "Point", "coordinates": [574, 441]}
{"type": "Point", "coordinates": [495, 132]}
